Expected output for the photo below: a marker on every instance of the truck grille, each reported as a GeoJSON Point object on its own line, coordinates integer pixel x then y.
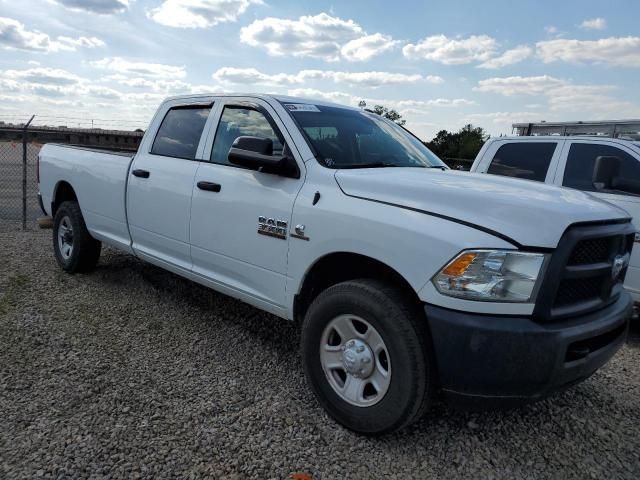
{"type": "Point", "coordinates": [579, 278]}
{"type": "Point", "coordinates": [576, 290]}
{"type": "Point", "coordinates": [594, 250]}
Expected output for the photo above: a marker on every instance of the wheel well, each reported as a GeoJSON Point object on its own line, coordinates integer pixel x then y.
{"type": "Point", "coordinates": [340, 267]}
{"type": "Point", "coordinates": [63, 192]}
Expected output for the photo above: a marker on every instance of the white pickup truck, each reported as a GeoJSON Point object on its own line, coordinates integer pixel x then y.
{"type": "Point", "coordinates": [607, 168]}
{"type": "Point", "coordinates": [408, 279]}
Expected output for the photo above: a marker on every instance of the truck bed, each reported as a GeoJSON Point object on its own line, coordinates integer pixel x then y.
{"type": "Point", "coordinates": [99, 179]}
{"type": "Point", "coordinates": [115, 151]}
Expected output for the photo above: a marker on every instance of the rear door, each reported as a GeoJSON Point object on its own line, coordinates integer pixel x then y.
{"type": "Point", "coordinates": [529, 160]}
{"type": "Point", "coordinates": [161, 183]}
{"type": "Point", "coordinates": [240, 228]}
{"type": "Point", "coordinates": [610, 171]}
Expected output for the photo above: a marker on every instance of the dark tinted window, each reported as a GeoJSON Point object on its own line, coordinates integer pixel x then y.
{"type": "Point", "coordinates": [239, 122]}
{"type": "Point", "coordinates": [602, 168]}
{"type": "Point", "coordinates": [180, 131]}
{"type": "Point", "coordinates": [523, 160]}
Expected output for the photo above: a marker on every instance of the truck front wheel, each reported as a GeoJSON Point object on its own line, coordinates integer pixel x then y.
{"type": "Point", "coordinates": [75, 249]}
{"type": "Point", "coordinates": [367, 355]}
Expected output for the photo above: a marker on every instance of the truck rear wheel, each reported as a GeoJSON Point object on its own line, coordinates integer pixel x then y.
{"type": "Point", "coordinates": [367, 355]}
{"type": "Point", "coordinates": [75, 249]}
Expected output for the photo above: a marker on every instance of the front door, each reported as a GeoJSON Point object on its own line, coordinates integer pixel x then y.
{"type": "Point", "coordinates": [240, 217]}
{"type": "Point", "coordinates": [161, 184]}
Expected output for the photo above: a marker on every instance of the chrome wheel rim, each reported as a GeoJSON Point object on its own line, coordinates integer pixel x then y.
{"type": "Point", "coordinates": [355, 360]}
{"type": "Point", "coordinates": [65, 238]}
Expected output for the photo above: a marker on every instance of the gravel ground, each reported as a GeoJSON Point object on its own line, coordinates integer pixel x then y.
{"type": "Point", "coordinates": [134, 372]}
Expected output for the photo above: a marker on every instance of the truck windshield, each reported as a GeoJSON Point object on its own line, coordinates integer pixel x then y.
{"type": "Point", "coordinates": [346, 138]}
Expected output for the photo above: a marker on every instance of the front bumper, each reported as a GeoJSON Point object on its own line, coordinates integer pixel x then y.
{"type": "Point", "coordinates": [486, 360]}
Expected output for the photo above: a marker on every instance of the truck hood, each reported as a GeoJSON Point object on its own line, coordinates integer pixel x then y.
{"type": "Point", "coordinates": [527, 212]}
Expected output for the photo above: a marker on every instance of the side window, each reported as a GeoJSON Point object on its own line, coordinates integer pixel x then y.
{"type": "Point", "coordinates": [237, 122]}
{"type": "Point", "coordinates": [523, 160]}
{"type": "Point", "coordinates": [602, 168]}
{"type": "Point", "coordinates": [180, 132]}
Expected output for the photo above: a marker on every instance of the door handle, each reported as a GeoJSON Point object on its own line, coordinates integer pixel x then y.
{"type": "Point", "coordinates": [209, 186]}
{"type": "Point", "coordinates": [141, 173]}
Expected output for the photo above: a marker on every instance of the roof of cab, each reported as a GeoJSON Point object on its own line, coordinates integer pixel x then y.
{"type": "Point", "coordinates": [267, 97]}
{"type": "Point", "coordinates": [556, 138]}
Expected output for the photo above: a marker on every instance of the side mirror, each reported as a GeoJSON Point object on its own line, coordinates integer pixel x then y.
{"type": "Point", "coordinates": [605, 171]}
{"type": "Point", "coordinates": [256, 153]}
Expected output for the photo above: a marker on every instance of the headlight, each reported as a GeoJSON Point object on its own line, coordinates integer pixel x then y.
{"type": "Point", "coordinates": [491, 276]}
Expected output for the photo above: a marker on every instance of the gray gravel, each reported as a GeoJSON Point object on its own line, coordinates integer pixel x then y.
{"type": "Point", "coordinates": [134, 372]}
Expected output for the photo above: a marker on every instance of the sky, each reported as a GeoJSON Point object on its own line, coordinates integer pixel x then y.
{"type": "Point", "coordinates": [441, 64]}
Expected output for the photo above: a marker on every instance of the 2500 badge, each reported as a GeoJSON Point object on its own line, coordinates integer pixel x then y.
{"type": "Point", "coordinates": [272, 227]}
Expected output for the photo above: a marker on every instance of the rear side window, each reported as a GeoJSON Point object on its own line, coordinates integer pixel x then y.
{"type": "Point", "coordinates": [180, 132]}
{"type": "Point", "coordinates": [529, 161]}
{"type": "Point", "coordinates": [602, 168]}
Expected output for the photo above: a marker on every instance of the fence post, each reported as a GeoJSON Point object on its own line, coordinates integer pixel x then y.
{"type": "Point", "coordinates": [24, 173]}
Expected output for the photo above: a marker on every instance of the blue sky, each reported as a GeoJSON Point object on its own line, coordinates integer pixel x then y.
{"type": "Point", "coordinates": [440, 63]}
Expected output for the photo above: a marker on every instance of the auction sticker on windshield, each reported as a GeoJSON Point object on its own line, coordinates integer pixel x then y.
{"type": "Point", "coordinates": [301, 107]}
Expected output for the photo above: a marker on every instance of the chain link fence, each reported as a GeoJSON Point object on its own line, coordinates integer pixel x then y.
{"type": "Point", "coordinates": [19, 149]}
{"type": "Point", "coordinates": [18, 183]}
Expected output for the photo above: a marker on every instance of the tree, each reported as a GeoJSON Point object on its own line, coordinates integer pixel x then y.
{"type": "Point", "coordinates": [389, 114]}
{"type": "Point", "coordinates": [465, 143]}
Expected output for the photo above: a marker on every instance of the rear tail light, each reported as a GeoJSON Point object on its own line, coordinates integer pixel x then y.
{"type": "Point", "coordinates": [38, 168]}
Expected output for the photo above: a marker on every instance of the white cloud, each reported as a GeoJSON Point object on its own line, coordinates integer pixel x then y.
{"type": "Point", "coordinates": [51, 83]}
{"type": "Point", "coordinates": [199, 13]}
{"type": "Point", "coordinates": [142, 69]}
{"type": "Point", "coordinates": [502, 117]}
{"type": "Point", "coordinates": [151, 84]}
{"type": "Point", "coordinates": [452, 51]}
{"type": "Point", "coordinates": [588, 98]}
{"type": "Point", "coordinates": [562, 95]}
{"type": "Point", "coordinates": [86, 42]}
{"type": "Point", "coordinates": [96, 6]}
{"type": "Point", "coordinates": [515, 55]}
{"type": "Point", "coordinates": [364, 48]}
{"type": "Point", "coordinates": [370, 79]}
{"type": "Point", "coordinates": [319, 36]}
{"type": "Point", "coordinates": [43, 76]}
{"type": "Point", "coordinates": [337, 97]}
{"type": "Point", "coordinates": [517, 85]}
{"type": "Point", "coordinates": [14, 35]}
{"type": "Point", "coordinates": [434, 79]}
{"type": "Point", "coordinates": [594, 24]}
{"type": "Point", "coordinates": [252, 75]}
{"type": "Point", "coordinates": [411, 107]}
{"type": "Point", "coordinates": [618, 51]}
{"type": "Point", "coordinates": [436, 102]}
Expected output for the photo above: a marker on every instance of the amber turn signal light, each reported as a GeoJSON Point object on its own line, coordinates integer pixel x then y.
{"type": "Point", "coordinates": [460, 265]}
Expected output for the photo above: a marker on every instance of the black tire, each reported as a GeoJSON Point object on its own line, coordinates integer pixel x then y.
{"type": "Point", "coordinates": [85, 250]}
{"type": "Point", "coordinates": [402, 326]}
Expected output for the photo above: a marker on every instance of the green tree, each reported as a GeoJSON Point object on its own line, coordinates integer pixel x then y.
{"type": "Point", "coordinates": [389, 114]}
{"type": "Point", "coordinates": [465, 143]}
